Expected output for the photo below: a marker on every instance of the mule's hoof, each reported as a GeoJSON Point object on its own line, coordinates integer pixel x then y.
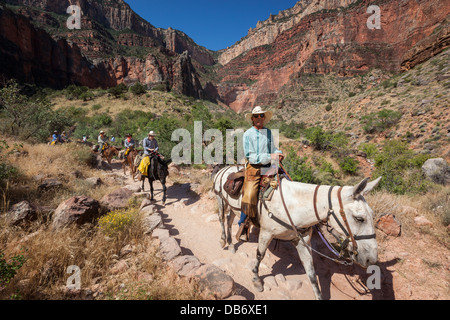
{"type": "Point", "coordinates": [223, 243]}
{"type": "Point", "coordinates": [258, 285]}
{"type": "Point", "coordinates": [231, 248]}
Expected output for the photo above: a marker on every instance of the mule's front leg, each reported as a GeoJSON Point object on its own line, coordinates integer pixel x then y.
{"type": "Point", "coordinates": [263, 242]}
{"type": "Point", "coordinates": [142, 186]}
{"type": "Point", "coordinates": [151, 189]}
{"type": "Point", "coordinates": [306, 258]}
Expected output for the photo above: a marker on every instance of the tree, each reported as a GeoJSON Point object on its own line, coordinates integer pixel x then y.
{"type": "Point", "coordinates": [30, 118]}
{"type": "Point", "coordinates": [138, 89]}
{"type": "Point", "coordinates": [118, 90]}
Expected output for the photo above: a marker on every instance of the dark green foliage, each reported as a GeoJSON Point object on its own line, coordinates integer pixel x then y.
{"type": "Point", "coordinates": [298, 167]}
{"type": "Point", "coordinates": [138, 89]}
{"type": "Point", "coordinates": [9, 269]}
{"type": "Point", "coordinates": [400, 168]}
{"type": "Point", "coordinates": [349, 165]}
{"type": "Point", "coordinates": [326, 140]}
{"type": "Point", "coordinates": [30, 118]}
{"type": "Point", "coordinates": [118, 90]}
{"type": "Point", "coordinates": [380, 121]}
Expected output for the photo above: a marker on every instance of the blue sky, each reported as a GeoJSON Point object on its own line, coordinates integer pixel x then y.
{"type": "Point", "coordinates": [214, 24]}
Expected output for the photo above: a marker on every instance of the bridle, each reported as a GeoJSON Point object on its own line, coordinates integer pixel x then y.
{"type": "Point", "coordinates": [343, 243]}
{"type": "Point", "coordinates": [345, 229]}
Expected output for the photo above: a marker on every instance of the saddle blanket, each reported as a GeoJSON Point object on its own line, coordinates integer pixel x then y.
{"type": "Point", "coordinates": [143, 166]}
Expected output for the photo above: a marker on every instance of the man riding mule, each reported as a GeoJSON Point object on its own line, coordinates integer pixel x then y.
{"type": "Point", "coordinates": [259, 150]}
{"type": "Point", "coordinates": [294, 209]}
{"type": "Point", "coordinates": [153, 166]}
{"type": "Point", "coordinates": [102, 142]}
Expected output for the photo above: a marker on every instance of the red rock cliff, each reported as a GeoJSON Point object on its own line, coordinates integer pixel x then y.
{"type": "Point", "coordinates": [337, 41]}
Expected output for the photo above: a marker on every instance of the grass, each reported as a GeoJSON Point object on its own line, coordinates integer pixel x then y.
{"type": "Point", "coordinates": [49, 253]}
{"type": "Point", "coordinates": [61, 162]}
{"type": "Point", "coordinates": [432, 205]}
{"type": "Point", "coordinates": [94, 248]}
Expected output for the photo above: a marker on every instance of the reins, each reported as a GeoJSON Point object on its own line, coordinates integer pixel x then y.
{"type": "Point", "coordinates": [346, 230]}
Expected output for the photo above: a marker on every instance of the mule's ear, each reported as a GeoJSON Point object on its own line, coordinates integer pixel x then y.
{"type": "Point", "coordinates": [359, 188]}
{"type": "Point", "coordinates": [365, 187]}
{"type": "Point", "coordinates": [371, 185]}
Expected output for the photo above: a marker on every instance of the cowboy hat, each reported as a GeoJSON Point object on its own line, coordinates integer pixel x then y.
{"type": "Point", "coordinates": [258, 110]}
{"type": "Point", "coordinates": [152, 133]}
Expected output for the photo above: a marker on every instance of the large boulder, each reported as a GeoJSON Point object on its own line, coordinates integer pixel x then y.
{"type": "Point", "coordinates": [21, 213]}
{"type": "Point", "coordinates": [437, 170]}
{"type": "Point", "coordinates": [118, 199]}
{"type": "Point", "coordinates": [78, 210]}
{"type": "Point", "coordinates": [215, 280]}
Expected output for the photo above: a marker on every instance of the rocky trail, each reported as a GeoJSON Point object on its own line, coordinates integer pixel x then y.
{"type": "Point", "coordinates": [192, 220]}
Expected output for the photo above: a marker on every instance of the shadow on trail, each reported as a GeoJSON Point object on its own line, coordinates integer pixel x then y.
{"type": "Point", "coordinates": [357, 278]}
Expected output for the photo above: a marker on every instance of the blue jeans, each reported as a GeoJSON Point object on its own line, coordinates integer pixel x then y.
{"type": "Point", "coordinates": [242, 219]}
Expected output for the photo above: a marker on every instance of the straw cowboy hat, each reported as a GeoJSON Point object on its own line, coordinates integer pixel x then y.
{"type": "Point", "coordinates": [152, 133]}
{"type": "Point", "coordinates": [257, 110]}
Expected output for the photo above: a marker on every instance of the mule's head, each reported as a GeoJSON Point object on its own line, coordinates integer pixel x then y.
{"type": "Point", "coordinates": [361, 222]}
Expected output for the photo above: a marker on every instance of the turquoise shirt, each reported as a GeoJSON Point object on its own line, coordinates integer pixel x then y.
{"type": "Point", "coordinates": [258, 145]}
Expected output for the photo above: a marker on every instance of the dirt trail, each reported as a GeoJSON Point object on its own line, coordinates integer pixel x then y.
{"type": "Point", "coordinates": [192, 220]}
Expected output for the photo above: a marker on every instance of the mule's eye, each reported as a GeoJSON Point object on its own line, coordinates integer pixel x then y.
{"type": "Point", "coordinates": [359, 219]}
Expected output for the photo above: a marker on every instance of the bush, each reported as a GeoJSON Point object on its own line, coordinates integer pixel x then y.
{"type": "Point", "coordinates": [9, 270]}
{"type": "Point", "coordinates": [369, 149]}
{"type": "Point", "coordinates": [298, 168]}
{"type": "Point", "coordinates": [117, 221]}
{"type": "Point", "coordinates": [78, 92]}
{"type": "Point", "coordinates": [118, 90]}
{"type": "Point", "coordinates": [349, 165]}
{"type": "Point", "coordinates": [30, 118]}
{"type": "Point", "coordinates": [292, 130]}
{"type": "Point", "coordinates": [138, 89]}
{"type": "Point", "coordinates": [400, 168]}
{"type": "Point", "coordinates": [326, 140]}
{"type": "Point", "coordinates": [380, 121]}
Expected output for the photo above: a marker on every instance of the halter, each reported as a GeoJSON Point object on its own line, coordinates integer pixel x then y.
{"type": "Point", "coordinates": [346, 230]}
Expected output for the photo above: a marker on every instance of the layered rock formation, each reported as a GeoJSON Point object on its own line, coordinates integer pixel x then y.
{"type": "Point", "coordinates": [336, 41]}
{"type": "Point", "coordinates": [267, 31]}
{"type": "Point", "coordinates": [32, 55]}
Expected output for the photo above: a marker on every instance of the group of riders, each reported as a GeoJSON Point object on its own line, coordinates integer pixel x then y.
{"type": "Point", "coordinates": [150, 144]}
{"type": "Point", "coordinates": [259, 152]}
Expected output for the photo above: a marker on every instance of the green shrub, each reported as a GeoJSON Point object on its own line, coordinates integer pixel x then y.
{"type": "Point", "coordinates": [9, 269]}
{"type": "Point", "coordinates": [369, 149]}
{"type": "Point", "coordinates": [30, 118]}
{"type": "Point", "coordinates": [326, 140]}
{"type": "Point", "coordinates": [380, 121]}
{"type": "Point", "coordinates": [100, 120]}
{"type": "Point", "coordinates": [298, 168]}
{"type": "Point", "coordinates": [138, 89]}
{"type": "Point", "coordinates": [349, 165]}
{"type": "Point", "coordinates": [400, 168]}
{"type": "Point", "coordinates": [118, 90]}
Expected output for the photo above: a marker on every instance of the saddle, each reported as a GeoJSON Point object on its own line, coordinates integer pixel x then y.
{"type": "Point", "coordinates": [234, 183]}
{"type": "Point", "coordinates": [268, 183]}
